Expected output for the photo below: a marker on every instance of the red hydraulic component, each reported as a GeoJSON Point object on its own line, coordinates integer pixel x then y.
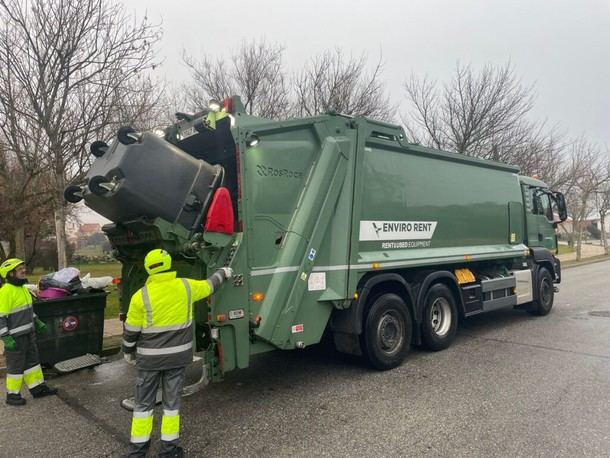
{"type": "Point", "coordinates": [228, 105]}
{"type": "Point", "coordinates": [220, 215]}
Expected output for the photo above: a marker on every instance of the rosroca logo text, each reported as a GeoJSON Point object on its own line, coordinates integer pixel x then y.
{"type": "Point", "coordinates": [265, 171]}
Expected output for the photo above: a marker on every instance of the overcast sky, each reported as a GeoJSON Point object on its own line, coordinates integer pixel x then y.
{"type": "Point", "coordinates": [563, 47]}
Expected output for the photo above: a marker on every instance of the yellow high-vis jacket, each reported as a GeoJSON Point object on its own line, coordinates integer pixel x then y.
{"type": "Point", "coordinates": [159, 324]}
{"type": "Point", "coordinates": [16, 311]}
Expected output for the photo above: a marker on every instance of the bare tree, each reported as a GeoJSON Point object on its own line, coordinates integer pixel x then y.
{"type": "Point", "coordinates": [255, 72]}
{"type": "Point", "coordinates": [589, 173]}
{"type": "Point", "coordinates": [68, 68]}
{"type": "Point", "coordinates": [23, 195]}
{"type": "Point", "coordinates": [481, 114]}
{"type": "Point", "coordinates": [175, 98]}
{"type": "Point", "coordinates": [602, 204]}
{"type": "Point", "coordinates": [332, 81]}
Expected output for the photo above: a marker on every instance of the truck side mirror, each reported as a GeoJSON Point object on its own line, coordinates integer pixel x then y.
{"type": "Point", "coordinates": [561, 206]}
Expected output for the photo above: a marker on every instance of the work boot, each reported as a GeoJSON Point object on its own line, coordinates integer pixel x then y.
{"type": "Point", "coordinates": [43, 390]}
{"type": "Point", "coordinates": [14, 400]}
{"type": "Point", "coordinates": [177, 453]}
{"type": "Point", "coordinates": [169, 449]}
{"type": "Point", "coordinates": [138, 450]}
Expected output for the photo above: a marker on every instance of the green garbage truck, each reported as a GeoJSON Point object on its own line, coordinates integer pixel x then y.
{"type": "Point", "coordinates": [332, 224]}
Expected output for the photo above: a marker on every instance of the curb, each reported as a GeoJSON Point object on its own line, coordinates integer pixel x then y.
{"type": "Point", "coordinates": [585, 262]}
{"type": "Point", "coordinates": [112, 345]}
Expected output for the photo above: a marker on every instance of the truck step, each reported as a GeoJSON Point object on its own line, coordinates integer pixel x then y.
{"type": "Point", "coordinates": [80, 362]}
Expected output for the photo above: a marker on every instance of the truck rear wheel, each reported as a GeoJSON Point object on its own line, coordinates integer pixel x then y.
{"type": "Point", "coordinates": [439, 323]}
{"type": "Point", "coordinates": [546, 293]}
{"type": "Point", "coordinates": [387, 332]}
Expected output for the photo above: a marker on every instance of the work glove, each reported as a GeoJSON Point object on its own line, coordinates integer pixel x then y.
{"type": "Point", "coordinates": [40, 326]}
{"type": "Point", "coordinates": [130, 358]}
{"type": "Point", "coordinates": [9, 343]}
{"type": "Point", "coordinates": [227, 271]}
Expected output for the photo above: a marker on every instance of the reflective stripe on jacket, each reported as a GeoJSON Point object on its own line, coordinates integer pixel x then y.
{"type": "Point", "coordinates": [16, 310]}
{"type": "Point", "coordinates": [159, 325]}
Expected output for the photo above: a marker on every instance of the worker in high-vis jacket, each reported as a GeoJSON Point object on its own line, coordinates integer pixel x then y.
{"type": "Point", "coordinates": [158, 339]}
{"type": "Point", "coordinates": [18, 327]}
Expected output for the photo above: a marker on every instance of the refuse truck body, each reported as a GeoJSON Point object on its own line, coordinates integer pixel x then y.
{"type": "Point", "coordinates": [333, 225]}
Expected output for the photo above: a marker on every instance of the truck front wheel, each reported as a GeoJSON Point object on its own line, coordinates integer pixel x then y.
{"type": "Point", "coordinates": [546, 294]}
{"type": "Point", "coordinates": [387, 332]}
{"type": "Point", "coordinates": [439, 324]}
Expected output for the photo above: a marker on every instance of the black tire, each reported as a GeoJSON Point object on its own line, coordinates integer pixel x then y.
{"type": "Point", "coordinates": [124, 137]}
{"type": "Point", "coordinates": [98, 148]}
{"type": "Point", "coordinates": [94, 185]}
{"type": "Point", "coordinates": [73, 194]}
{"type": "Point", "coordinates": [545, 293]}
{"type": "Point", "coordinates": [440, 318]}
{"type": "Point", "coordinates": [387, 332]}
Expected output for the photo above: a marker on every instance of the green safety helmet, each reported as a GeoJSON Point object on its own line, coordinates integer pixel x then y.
{"type": "Point", "coordinates": [9, 265]}
{"type": "Point", "coordinates": [156, 261]}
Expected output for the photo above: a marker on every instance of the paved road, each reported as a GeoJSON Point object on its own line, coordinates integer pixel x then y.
{"type": "Point", "coordinates": [511, 385]}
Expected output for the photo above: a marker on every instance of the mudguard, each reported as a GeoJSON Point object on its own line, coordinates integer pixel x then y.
{"type": "Point", "coordinates": [349, 321]}
{"type": "Point", "coordinates": [543, 256]}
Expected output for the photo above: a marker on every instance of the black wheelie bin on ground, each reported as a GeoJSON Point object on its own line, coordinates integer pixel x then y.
{"type": "Point", "coordinates": [75, 331]}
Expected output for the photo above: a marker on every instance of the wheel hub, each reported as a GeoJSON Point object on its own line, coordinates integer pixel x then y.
{"type": "Point", "coordinates": [390, 332]}
{"type": "Point", "coordinates": [440, 316]}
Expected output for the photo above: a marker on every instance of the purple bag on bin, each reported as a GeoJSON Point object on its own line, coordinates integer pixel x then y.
{"type": "Point", "coordinates": [52, 293]}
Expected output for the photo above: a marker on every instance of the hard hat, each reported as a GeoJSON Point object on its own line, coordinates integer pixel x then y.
{"type": "Point", "coordinates": [157, 261]}
{"type": "Point", "coordinates": [9, 265]}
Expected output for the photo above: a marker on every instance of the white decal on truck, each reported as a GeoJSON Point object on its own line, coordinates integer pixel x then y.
{"type": "Point", "coordinates": [396, 230]}
{"type": "Point", "coordinates": [317, 281]}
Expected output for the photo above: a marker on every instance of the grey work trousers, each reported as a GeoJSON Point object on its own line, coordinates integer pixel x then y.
{"type": "Point", "coordinates": [147, 383]}
{"type": "Point", "coordinates": [25, 360]}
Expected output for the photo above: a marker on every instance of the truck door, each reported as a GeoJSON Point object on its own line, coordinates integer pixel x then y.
{"type": "Point", "coordinates": [539, 218]}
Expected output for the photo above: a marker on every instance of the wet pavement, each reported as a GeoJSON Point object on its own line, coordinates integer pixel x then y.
{"type": "Point", "coordinates": [511, 385]}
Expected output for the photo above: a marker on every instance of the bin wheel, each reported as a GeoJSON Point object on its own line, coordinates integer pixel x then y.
{"type": "Point", "coordinates": [98, 148]}
{"type": "Point", "coordinates": [73, 194]}
{"type": "Point", "coordinates": [125, 135]}
{"type": "Point", "coordinates": [95, 185]}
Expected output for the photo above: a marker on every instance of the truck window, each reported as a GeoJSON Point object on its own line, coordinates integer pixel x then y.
{"type": "Point", "coordinates": [542, 205]}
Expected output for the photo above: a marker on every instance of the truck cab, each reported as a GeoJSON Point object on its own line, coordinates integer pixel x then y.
{"type": "Point", "coordinates": [543, 209]}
